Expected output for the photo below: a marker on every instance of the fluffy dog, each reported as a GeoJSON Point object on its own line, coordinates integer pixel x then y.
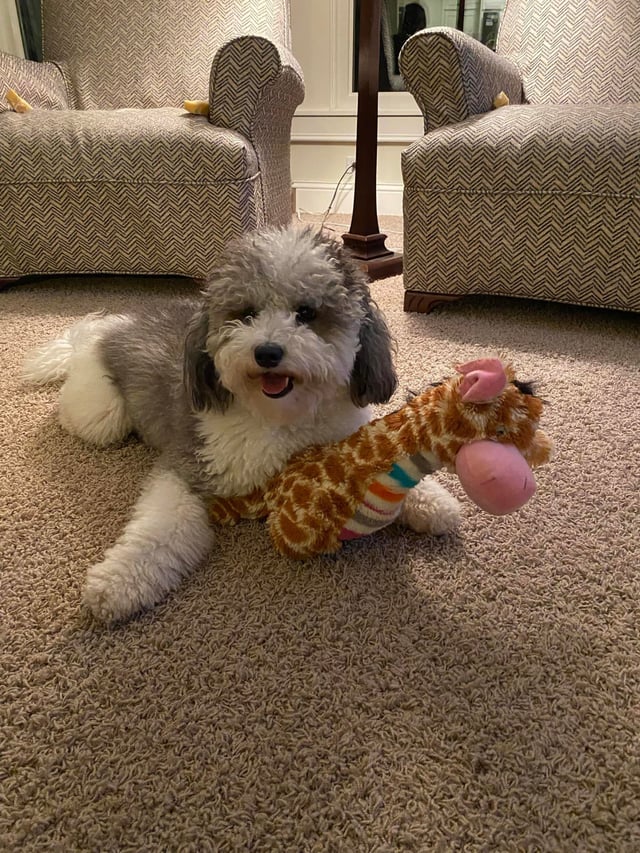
{"type": "Point", "coordinates": [285, 349]}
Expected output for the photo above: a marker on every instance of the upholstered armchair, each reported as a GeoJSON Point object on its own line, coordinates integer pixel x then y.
{"type": "Point", "coordinates": [540, 198]}
{"type": "Point", "coordinates": [108, 174]}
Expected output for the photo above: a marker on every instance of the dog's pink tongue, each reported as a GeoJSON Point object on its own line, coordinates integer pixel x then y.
{"type": "Point", "coordinates": [273, 383]}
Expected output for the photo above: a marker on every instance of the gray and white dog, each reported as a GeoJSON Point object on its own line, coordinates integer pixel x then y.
{"type": "Point", "coordinates": [284, 350]}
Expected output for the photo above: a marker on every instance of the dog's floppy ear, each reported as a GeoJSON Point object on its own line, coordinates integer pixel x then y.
{"type": "Point", "coordinates": [373, 378]}
{"type": "Point", "coordinates": [200, 375]}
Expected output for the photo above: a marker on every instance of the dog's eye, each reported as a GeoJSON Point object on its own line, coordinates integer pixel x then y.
{"type": "Point", "coordinates": [305, 314]}
{"type": "Point", "coordinates": [247, 314]}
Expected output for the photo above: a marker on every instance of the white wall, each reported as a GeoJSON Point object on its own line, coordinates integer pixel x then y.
{"type": "Point", "coordinates": [323, 133]}
{"type": "Point", "coordinates": [10, 41]}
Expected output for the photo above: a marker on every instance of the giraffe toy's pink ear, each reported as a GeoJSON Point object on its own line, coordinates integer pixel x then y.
{"type": "Point", "coordinates": [483, 380]}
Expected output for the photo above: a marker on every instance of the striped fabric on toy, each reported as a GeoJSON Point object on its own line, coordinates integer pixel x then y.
{"type": "Point", "coordinates": [384, 497]}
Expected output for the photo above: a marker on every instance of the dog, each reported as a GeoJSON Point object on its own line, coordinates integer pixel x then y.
{"type": "Point", "coordinates": [284, 349]}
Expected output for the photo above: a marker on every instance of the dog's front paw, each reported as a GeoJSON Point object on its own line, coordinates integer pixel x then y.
{"type": "Point", "coordinates": [111, 593]}
{"type": "Point", "coordinates": [430, 509]}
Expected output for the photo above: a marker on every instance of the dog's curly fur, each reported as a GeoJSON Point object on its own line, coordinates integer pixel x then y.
{"type": "Point", "coordinates": [285, 349]}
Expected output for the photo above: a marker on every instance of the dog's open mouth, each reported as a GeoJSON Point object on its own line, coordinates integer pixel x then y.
{"type": "Point", "coordinates": [275, 385]}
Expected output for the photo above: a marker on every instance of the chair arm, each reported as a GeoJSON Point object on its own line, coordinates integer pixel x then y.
{"type": "Point", "coordinates": [453, 76]}
{"type": "Point", "coordinates": [255, 88]}
{"type": "Point", "coordinates": [39, 83]}
{"type": "Point", "coordinates": [247, 72]}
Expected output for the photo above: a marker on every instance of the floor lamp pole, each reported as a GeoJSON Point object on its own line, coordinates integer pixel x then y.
{"type": "Point", "coordinates": [364, 239]}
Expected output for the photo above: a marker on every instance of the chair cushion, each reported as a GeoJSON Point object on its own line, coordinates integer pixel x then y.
{"type": "Point", "coordinates": [576, 149]}
{"type": "Point", "coordinates": [531, 201]}
{"type": "Point", "coordinates": [127, 146]}
{"type": "Point", "coordinates": [129, 191]}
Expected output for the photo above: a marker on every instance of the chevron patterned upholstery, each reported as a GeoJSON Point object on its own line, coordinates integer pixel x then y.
{"type": "Point", "coordinates": [142, 54]}
{"type": "Point", "coordinates": [124, 181]}
{"type": "Point", "coordinates": [464, 76]}
{"type": "Point", "coordinates": [274, 94]}
{"type": "Point", "coordinates": [39, 83]}
{"type": "Point", "coordinates": [574, 51]}
{"type": "Point", "coordinates": [541, 198]}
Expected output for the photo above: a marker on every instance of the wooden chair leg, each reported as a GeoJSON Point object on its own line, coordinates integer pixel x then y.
{"type": "Point", "coordinates": [423, 303]}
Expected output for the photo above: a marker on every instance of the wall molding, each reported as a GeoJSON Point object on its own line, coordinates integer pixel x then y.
{"type": "Point", "coordinates": [332, 127]}
{"type": "Point", "coordinates": [346, 138]}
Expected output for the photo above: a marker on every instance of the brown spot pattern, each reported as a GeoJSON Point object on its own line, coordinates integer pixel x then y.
{"type": "Point", "coordinates": [301, 493]}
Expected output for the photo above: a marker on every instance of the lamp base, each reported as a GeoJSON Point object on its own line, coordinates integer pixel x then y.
{"type": "Point", "coordinates": [372, 255]}
{"type": "Point", "coordinates": [386, 267]}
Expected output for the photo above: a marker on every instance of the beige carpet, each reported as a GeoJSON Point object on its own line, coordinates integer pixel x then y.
{"type": "Point", "coordinates": [478, 693]}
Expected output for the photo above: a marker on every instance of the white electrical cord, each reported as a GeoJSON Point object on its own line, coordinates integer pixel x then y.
{"type": "Point", "coordinates": [350, 168]}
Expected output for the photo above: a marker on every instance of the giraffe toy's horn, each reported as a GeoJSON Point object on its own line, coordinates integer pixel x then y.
{"type": "Point", "coordinates": [483, 380]}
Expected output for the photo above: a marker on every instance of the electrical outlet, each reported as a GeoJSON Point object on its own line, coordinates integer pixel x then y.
{"type": "Point", "coordinates": [350, 162]}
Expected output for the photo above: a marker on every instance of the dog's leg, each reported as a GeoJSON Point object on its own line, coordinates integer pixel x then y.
{"type": "Point", "coordinates": [90, 404]}
{"type": "Point", "coordinates": [429, 508]}
{"type": "Point", "coordinates": [168, 535]}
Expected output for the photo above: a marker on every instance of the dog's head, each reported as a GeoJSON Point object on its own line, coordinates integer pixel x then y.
{"type": "Point", "coordinates": [287, 323]}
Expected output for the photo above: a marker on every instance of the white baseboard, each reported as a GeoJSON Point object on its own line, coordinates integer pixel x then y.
{"type": "Point", "coordinates": [314, 197]}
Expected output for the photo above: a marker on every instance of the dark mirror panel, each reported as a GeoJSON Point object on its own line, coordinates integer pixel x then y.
{"type": "Point", "coordinates": [400, 20]}
{"type": "Point", "coordinates": [30, 27]}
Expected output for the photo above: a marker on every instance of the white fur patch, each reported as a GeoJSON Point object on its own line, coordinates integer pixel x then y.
{"type": "Point", "coordinates": [168, 535]}
{"type": "Point", "coordinates": [90, 405]}
{"type": "Point", "coordinates": [50, 362]}
{"type": "Point", "coordinates": [429, 508]}
{"type": "Point", "coordinates": [245, 451]}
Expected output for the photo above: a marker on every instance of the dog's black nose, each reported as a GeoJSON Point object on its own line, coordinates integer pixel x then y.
{"type": "Point", "coordinates": [268, 355]}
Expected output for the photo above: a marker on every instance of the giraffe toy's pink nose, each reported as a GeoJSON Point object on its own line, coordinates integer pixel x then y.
{"type": "Point", "coordinates": [495, 476]}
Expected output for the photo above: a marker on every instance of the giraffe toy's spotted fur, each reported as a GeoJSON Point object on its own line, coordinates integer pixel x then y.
{"type": "Point", "coordinates": [356, 486]}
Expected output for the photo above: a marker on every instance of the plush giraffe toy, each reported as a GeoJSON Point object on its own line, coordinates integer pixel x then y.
{"type": "Point", "coordinates": [481, 424]}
